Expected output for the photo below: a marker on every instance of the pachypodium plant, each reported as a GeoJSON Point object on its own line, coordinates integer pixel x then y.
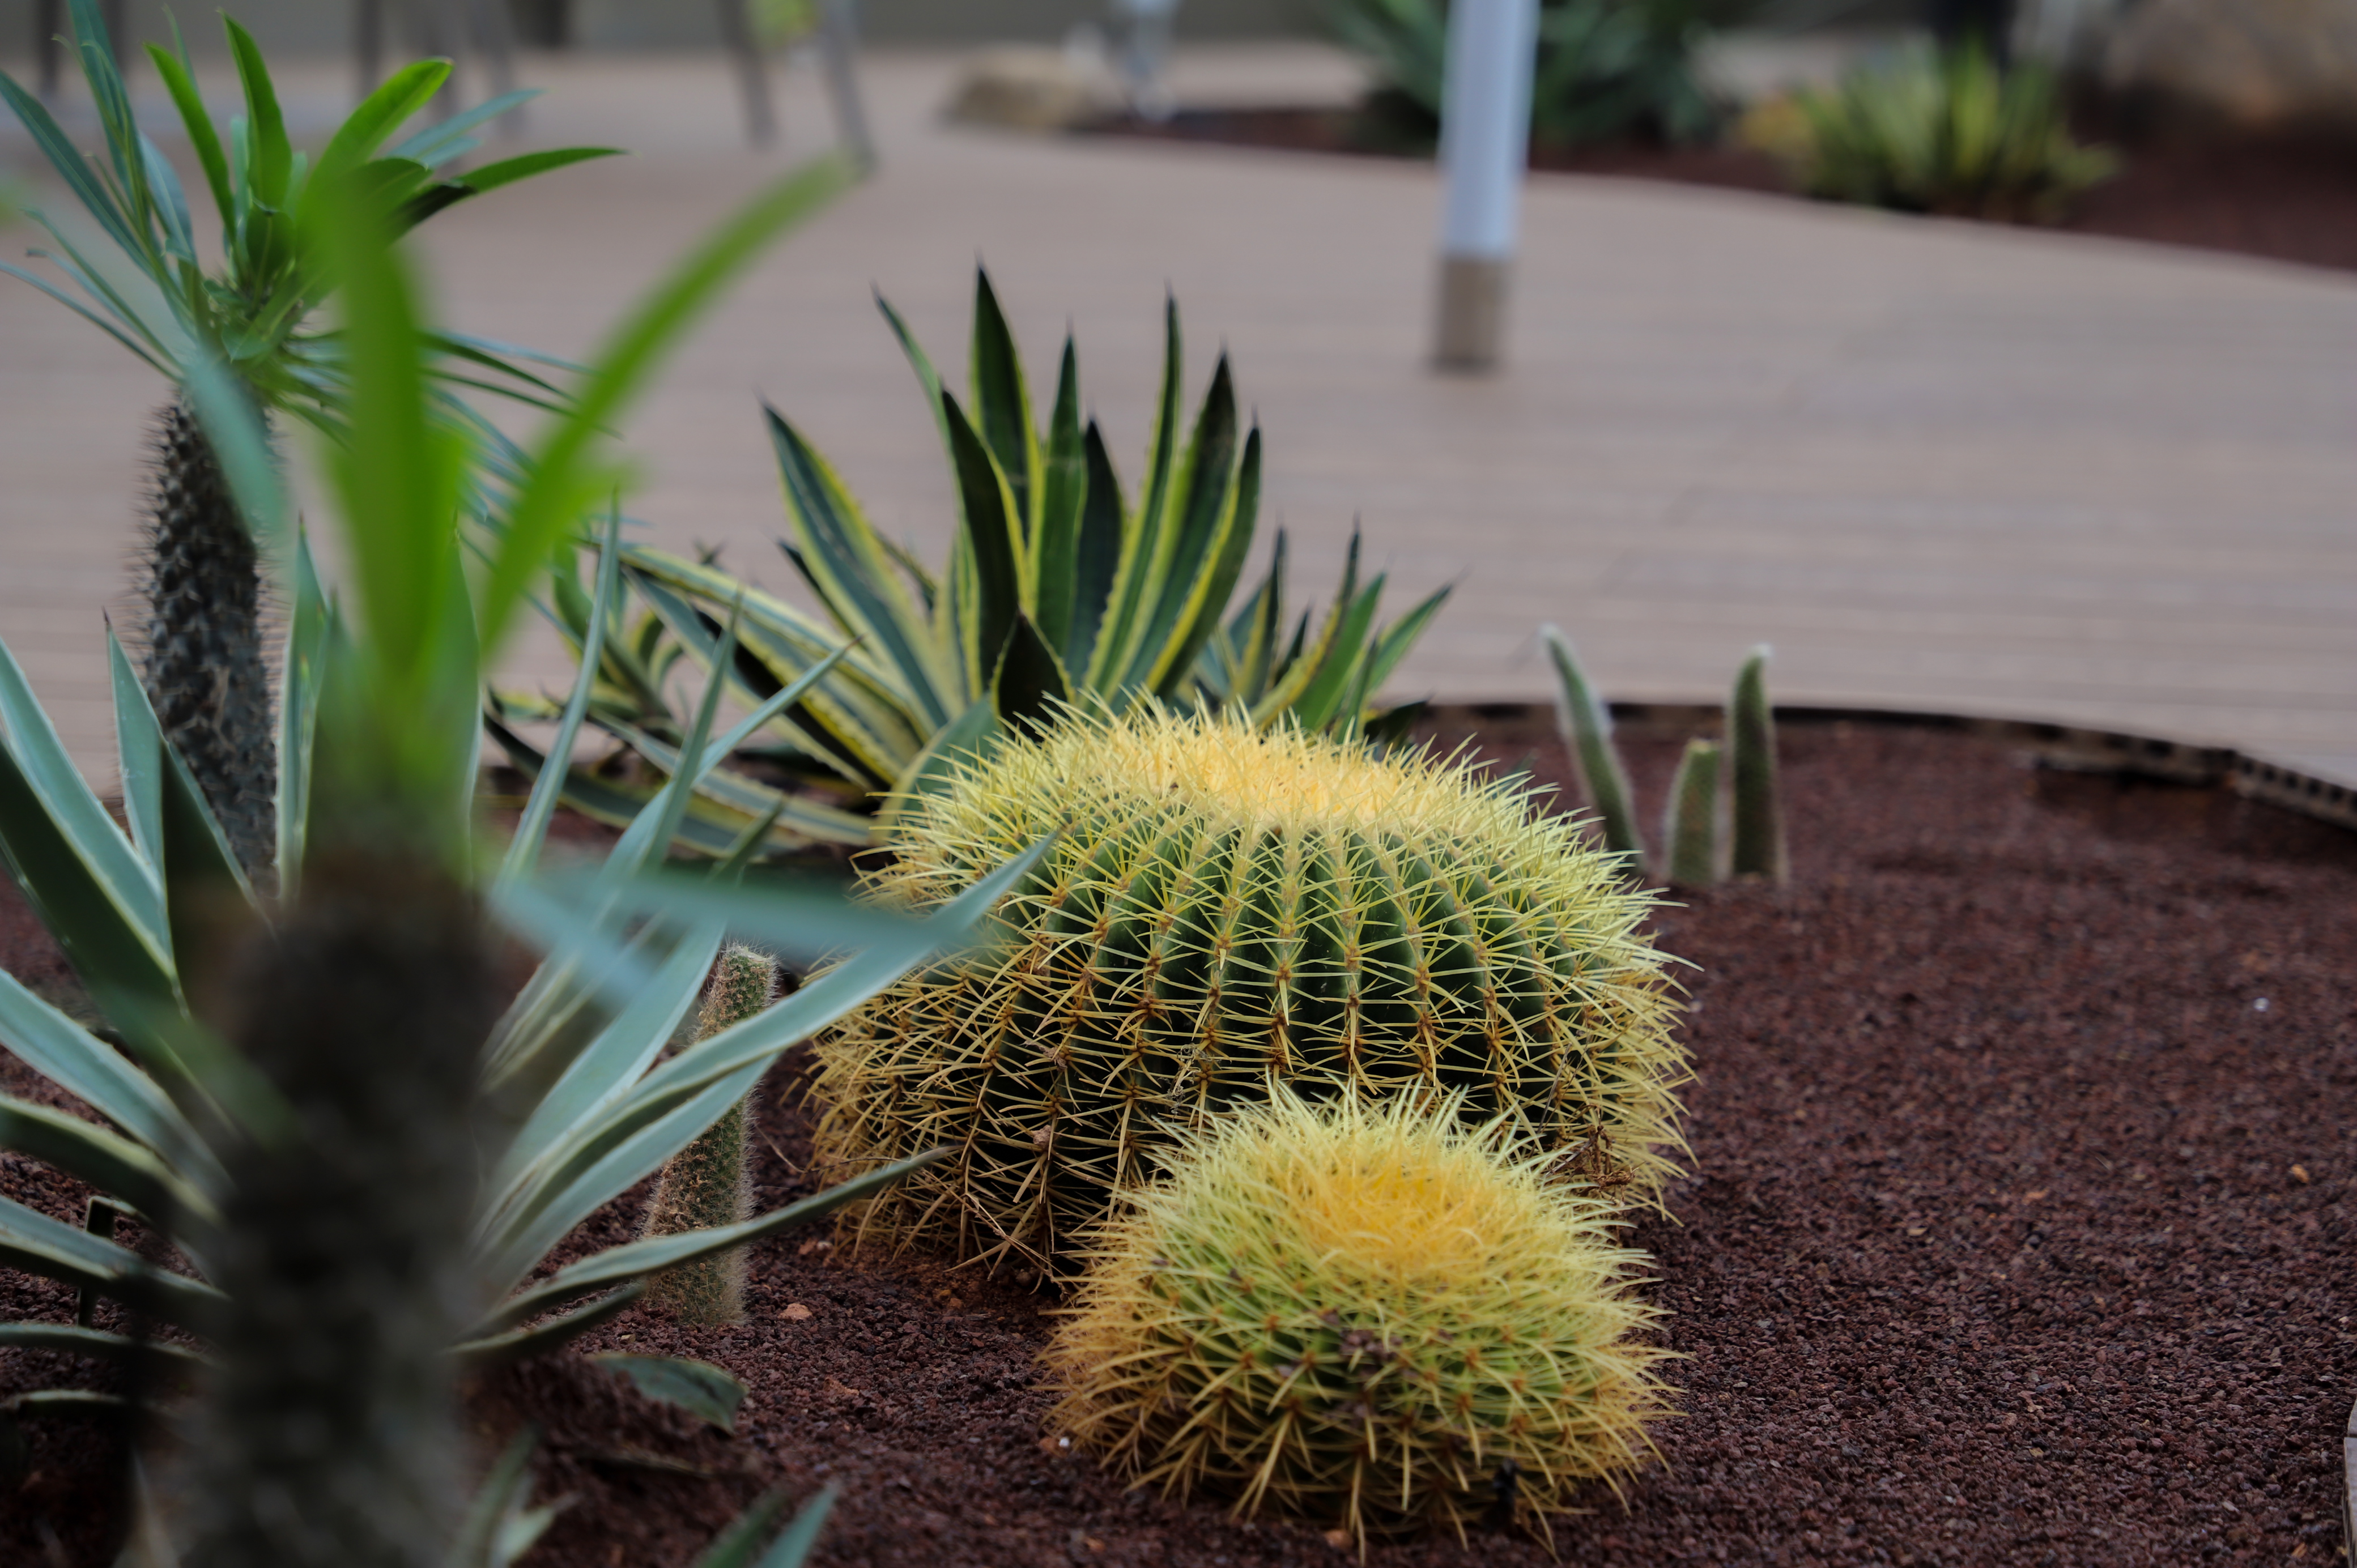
{"type": "Point", "coordinates": [1376, 1318]}
{"type": "Point", "coordinates": [1061, 586]}
{"type": "Point", "coordinates": [316, 1096]}
{"type": "Point", "coordinates": [1230, 910]}
{"type": "Point", "coordinates": [251, 317]}
{"type": "Point", "coordinates": [704, 1186]}
{"type": "Point", "coordinates": [1691, 837]}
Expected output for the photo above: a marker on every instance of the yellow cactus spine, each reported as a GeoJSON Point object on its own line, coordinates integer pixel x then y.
{"type": "Point", "coordinates": [705, 1185]}
{"type": "Point", "coordinates": [1226, 910]}
{"type": "Point", "coordinates": [1374, 1318]}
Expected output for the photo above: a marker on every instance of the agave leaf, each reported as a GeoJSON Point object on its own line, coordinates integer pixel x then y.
{"type": "Point", "coordinates": [1030, 683]}
{"type": "Point", "coordinates": [37, 1244]}
{"type": "Point", "coordinates": [1322, 698]}
{"type": "Point", "coordinates": [86, 1067]}
{"type": "Point", "coordinates": [103, 902]}
{"type": "Point", "coordinates": [972, 734]}
{"type": "Point", "coordinates": [802, 820]}
{"type": "Point", "coordinates": [539, 1338]}
{"type": "Point", "coordinates": [1097, 549]}
{"type": "Point", "coordinates": [1057, 509]}
{"type": "Point", "coordinates": [532, 829]}
{"type": "Point", "coordinates": [1138, 579]}
{"type": "Point", "coordinates": [500, 1524]}
{"type": "Point", "coordinates": [636, 1260]}
{"type": "Point", "coordinates": [990, 535]}
{"type": "Point", "coordinates": [107, 1161]}
{"type": "Point", "coordinates": [1180, 630]}
{"type": "Point", "coordinates": [95, 1343]}
{"type": "Point", "coordinates": [848, 562]}
{"type": "Point", "coordinates": [699, 1388]}
{"type": "Point", "coordinates": [1002, 407]}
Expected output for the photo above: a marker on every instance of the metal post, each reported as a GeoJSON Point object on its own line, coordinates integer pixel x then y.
{"type": "Point", "coordinates": [752, 72]}
{"type": "Point", "coordinates": [1485, 131]}
{"type": "Point", "coordinates": [838, 46]}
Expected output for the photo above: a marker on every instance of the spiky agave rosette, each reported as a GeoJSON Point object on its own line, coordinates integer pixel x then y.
{"type": "Point", "coordinates": [1226, 910]}
{"type": "Point", "coordinates": [1367, 1316]}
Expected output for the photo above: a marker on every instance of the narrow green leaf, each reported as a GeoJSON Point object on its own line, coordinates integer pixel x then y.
{"type": "Point", "coordinates": [532, 829]}
{"type": "Point", "coordinates": [507, 171]}
{"type": "Point", "coordinates": [1002, 407]}
{"type": "Point", "coordinates": [178, 81]}
{"type": "Point", "coordinates": [309, 631]}
{"type": "Point", "coordinates": [792, 1548]}
{"type": "Point", "coordinates": [539, 1338]}
{"type": "Point", "coordinates": [96, 1344]}
{"type": "Point", "coordinates": [1202, 508]}
{"type": "Point", "coordinates": [989, 531]}
{"type": "Point", "coordinates": [139, 755]}
{"type": "Point", "coordinates": [1211, 579]}
{"type": "Point", "coordinates": [1587, 725]}
{"type": "Point", "coordinates": [973, 735]}
{"type": "Point", "coordinates": [699, 1388]}
{"type": "Point", "coordinates": [37, 1244]}
{"type": "Point", "coordinates": [271, 160]}
{"type": "Point", "coordinates": [1028, 685]}
{"type": "Point", "coordinates": [55, 145]}
{"type": "Point", "coordinates": [87, 1069]}
{"type": "Point", "coordinates": [447, 139]}
{"type": "Point", "coordinates": [636, 1260]}
{"type": "Point", "coordinates": [1058, 508]}
{"type": "Point", "coordinates": [398, 97]}
{"type": "Point", "coordinates": [107, 1161]}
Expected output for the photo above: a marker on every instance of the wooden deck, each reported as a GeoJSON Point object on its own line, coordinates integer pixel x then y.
{"type": "Point", "coordinates": [1937, 467]}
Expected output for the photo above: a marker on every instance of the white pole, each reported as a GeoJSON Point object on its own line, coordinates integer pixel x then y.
{"type": "Point", "coordinates": [1485, 127]}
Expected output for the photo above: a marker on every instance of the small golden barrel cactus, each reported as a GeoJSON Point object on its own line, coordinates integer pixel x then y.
{"type": "Point", "coordinates": [1367, 1316]}
{"type": "Point", "coordinates": [1225, 911]}
{"type": "Point", "coordinates": [705, 1185]}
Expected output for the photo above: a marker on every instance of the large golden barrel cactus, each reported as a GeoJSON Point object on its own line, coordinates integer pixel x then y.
{"type": "Point", "coordinates": [1362, 1316]}
{"type": "Point", "coordinates": [1227, 909]}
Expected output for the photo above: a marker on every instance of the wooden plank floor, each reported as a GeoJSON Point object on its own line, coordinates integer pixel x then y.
{"type": "Point", "coordinates": [1937, 467]}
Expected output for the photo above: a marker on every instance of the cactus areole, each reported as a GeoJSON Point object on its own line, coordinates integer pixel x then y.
{"type": "Point", "coordinates": [1227, 910]}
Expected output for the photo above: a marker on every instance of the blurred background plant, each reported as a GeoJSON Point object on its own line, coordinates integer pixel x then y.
{"type": "Point", "coordinates": [1939, 131]}
{"type": "Point", "coordinates": [250, 315]}
{"type": "Point", "coordinates": [1606, 70]}
{"type": "Point", "coordinates": [312, 1090]}
{"type": "Point", "coordinates": [1058, 588]}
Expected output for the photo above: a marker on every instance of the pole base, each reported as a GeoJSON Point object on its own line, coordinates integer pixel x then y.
{"type": "Point", "coordinates": [1472, 313]}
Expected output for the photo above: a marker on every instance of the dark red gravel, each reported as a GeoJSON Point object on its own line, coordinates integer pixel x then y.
{"type": "Point", "coordinates": [2018, 1234]}
{"type": "Point", "coordinates": [2288, 197]}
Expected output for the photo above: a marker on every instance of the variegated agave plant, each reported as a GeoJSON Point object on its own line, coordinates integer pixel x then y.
{"type": "Point", "coordinates": [1060, 588]}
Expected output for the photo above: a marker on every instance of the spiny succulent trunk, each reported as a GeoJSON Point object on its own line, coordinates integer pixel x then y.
{"type": "Point", "coordinates": [330, 1439]}
{"type": "Point", "coordinates": [205, 671]}
{"type": "Point", "coordinates": [705, 1185]}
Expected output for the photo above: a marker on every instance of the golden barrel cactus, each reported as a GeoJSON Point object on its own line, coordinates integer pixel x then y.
{"type": "Point", "coordinates": [1366, 1316]}
{"type": "Point", "coordinates": [1225, 911]}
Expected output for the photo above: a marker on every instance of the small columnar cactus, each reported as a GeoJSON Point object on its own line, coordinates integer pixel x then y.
{"type": "Point", "coordinates": [1226, 910]}
{"type": "Point", "coordinates": [1370, 1317]}
{"type": "Point", "coordinates": [705, 1185]}
{"type": "Point", "coordinates": [1759, 849]}
{"type": "Point", "coordinates": [1587, 725]}
{"type": "Point", "coordinates": [1690, 833]}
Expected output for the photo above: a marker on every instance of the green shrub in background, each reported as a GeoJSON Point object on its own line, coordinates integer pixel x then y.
{"type": "Point", "coordinates": [314, 1094]}
{"type": "Point", "coordinates": [1061, 586]}
{"type": "Point", "coordinates": [1939, 132]}
{"type": "Point", "coordinates": [1607, 69]}
{"type": "Point", "coordinates": [252, 315]}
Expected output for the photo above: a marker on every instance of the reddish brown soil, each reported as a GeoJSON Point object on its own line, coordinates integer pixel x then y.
{"type": "Point", "coordinates": [2017, 1234]}
{"type": "Point", "coordinates": [2288, 197]}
